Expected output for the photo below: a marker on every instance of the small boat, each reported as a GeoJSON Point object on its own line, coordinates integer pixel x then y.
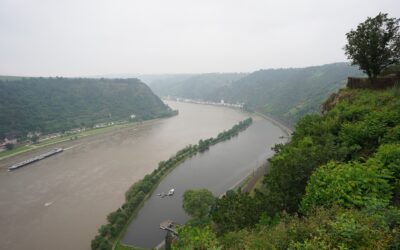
{"type": "Point", "coordinates": [171, 192]}
{"type": "Point", "coordinates": [162, 195]}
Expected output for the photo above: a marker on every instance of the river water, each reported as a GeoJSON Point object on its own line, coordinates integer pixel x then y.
{"type": "Point", "coordinates": [218, 170]}
{"type": "Point", "coordinates": [60, 202]}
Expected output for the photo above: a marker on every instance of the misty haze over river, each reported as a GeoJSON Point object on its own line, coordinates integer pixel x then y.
{"type": "Point", "coordinates": [60, 202]}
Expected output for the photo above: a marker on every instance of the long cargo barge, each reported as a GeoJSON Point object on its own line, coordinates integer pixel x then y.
{"type": "Point", "coordinates": [35, 159]}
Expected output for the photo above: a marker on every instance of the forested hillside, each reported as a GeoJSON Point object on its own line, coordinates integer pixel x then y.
{"type": "Point", "coordinates": [287, 94]}
{"type": "Point", "coordinates": [57, 104]}
{"type": "Point", "coordinates": [202, 86]}
{"type": "Point", "coordinates": [291, 93]}
{"type": "Point", "coordinates": [335, 185]}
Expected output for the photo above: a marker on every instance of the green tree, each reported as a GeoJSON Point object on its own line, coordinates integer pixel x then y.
{"type": "Point", "coordinates": [323, 229]}
{"type": "Point", "coordinates": [348, 185]}
{"type": "Point", "coordinates": [9, 146]}
{"type": "Point", "coordinates": [374, 45]}
{"type": "Point", "coordinates": [35, 139]}
{"type": "Point", "coordinates": [389, 156]}
{"type": "Point", "coordinates": [234, 211]}
{"type": "Point", "coordinates": [196, 238]}
{"type": "Point", "coordinates": [197, 203]}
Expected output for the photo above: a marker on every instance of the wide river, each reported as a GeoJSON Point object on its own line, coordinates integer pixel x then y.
{"type": "Point", "coordinates": [219, 169]}
{"type": "Point", "coordinates": [59, 202]}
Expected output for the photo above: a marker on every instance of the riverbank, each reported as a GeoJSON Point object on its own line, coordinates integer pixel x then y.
{"type": "Point", "coordinates": [70, 137]}
{"type": "Point", "coordinates": [286, 128]}
{"type": "Point", "coordinates": [288, 131]}
{"type": "Point", "coordinates": [254, 180]}
{"type": "Point", "coordinates": [218, 170]}
{"type": "Point", "coordinates": [111, 233]}
{"type": "Point", "coordinates": [247, 183]}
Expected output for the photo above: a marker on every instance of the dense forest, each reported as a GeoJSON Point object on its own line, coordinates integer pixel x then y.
{"type": "Point", "coordinates": [287, 94]}
{"type": "Point", "coordinates": [57, 104]}
{"type": "Point", "coordinates": [335, 185]}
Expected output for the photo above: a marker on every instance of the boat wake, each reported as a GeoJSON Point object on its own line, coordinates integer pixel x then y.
{"type": "Point", "coordinates": [48, 203]}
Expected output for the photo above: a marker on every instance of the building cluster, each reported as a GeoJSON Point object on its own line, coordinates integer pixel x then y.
{"type": "Point", "coordinates": [103, 125]}
{"type": "Point", "coordinates": [7, 141]}
{"type": "Point", "coordinates": [41, 137]}
{"type": "Point", "coordinates": [221, 103]}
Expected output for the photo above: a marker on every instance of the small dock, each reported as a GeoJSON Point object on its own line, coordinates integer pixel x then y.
{"type": "Point", "coordinates": [169, 225]}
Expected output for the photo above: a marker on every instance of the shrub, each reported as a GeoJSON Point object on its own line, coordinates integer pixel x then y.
{"type": "Point", "coordinates": [347, 185]}
{"type": "Point", "coordinates": [196, 238]}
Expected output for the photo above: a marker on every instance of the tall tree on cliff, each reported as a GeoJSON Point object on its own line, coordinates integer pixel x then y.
{"type": "Point", "coordinates": [374, 45]}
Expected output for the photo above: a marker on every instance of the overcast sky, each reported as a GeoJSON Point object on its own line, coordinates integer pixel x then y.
{"type": "Point", "coordinates": [94, 37]}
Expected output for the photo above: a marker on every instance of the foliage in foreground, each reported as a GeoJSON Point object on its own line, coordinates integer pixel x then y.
{"type": "Point", "coordinates": [334, 228]}
{"type": "Point", "coordinates": [200, 238]}
{"type": "Point", "coordinates": [336, 185]}
{"type": "Point", "coordinates": [232, 211]}
{"type": "Point", "coordinates": [353, 130]}
{"type": "Point", "coordinates": [355, 184]}
{"type": "Point", "coordinates": [197, 204]}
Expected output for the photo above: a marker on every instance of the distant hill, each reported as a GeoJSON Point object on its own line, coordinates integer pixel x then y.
{"type": "Point", "coordinates": [146, 78]}
{"type": "Point", "coordinates": [287, 94]}
{"type": "Point", "coordinates": [201, 86]}
{"type": "Point", "coordinates": [57, 104]}
{"type": "Point", "coordinates": [10, 78]}
{"type": "Point", "coordinates": [290, 93]}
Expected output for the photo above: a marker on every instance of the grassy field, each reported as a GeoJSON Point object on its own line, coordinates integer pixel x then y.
{"type": "Point", "coordinates": [44, 143]}
{"type": "Point", "coordinates": [15, 151]}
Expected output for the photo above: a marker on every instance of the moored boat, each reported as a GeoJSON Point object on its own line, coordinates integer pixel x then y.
{"type": "Point", "coordinates": [35, 159]}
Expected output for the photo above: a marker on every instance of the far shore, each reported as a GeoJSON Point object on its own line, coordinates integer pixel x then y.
{"type": "Point", "coordinates": [249, 182]}
{"type": "Point", "coordinates": [288, 131]}
{"type": "Point", "coordinates": [256, 177]}
{"type": "Point", "coordinates": [75, 137]}
{"type": "Point", "coordinates": [285, 128]}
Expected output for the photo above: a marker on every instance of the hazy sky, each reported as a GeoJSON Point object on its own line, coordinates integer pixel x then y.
{"type": "Point", "coordinates": [92, 37]}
